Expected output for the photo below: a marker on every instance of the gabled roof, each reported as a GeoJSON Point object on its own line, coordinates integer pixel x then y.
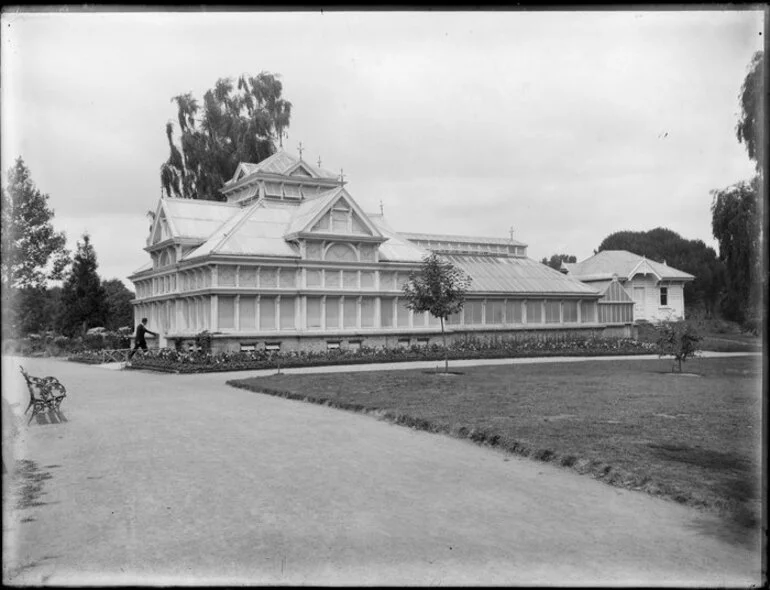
{"type": "Point", "coordinates": [282, 163]}
{"type": "Point", "coordinates": [257, 230]}
{"type": "Point", "coordinates": [310, 211]}
{"type": "Point", "coordinates": [517, 275]}
{"type": "Point", "coordinates": [625, 265]}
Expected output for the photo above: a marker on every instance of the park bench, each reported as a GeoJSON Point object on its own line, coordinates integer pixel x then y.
{"type": "Point", "coordinates": [44, 393]}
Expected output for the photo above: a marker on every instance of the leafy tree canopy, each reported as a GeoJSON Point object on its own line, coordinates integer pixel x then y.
{"type": "Point", "coordinates": [120, 312]}
{"type": "Point", "coordinates": [83, 298]}
{"type": "Point", "coordinates": [736, 224]}
{"type": "Point", "coordinates": [556, 260]}
{"type": "Point", "coordinates": [691, 256]}
{"type": "Point", "coordinates": [237, 122]}
{"type": "Point", "coordinates": [32, 252]}
{"type": "Point", "coordinates": [751, 126]}
{"type": "Point", "coordinates": [439, 288]}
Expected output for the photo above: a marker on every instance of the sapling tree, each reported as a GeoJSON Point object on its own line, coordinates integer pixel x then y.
{"type": "Point", "coordinates": [679, 340]}
{"type": "Point", "coordinates": [439, 288]}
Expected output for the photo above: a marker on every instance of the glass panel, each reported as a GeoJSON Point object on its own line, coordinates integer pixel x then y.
{"type": "Point", "coordinates": [267, 313]}
{"type": "Point", "coordinates": [332, 313]}
{"type": "Point", "coordinates": [340, 221]}
{"type": "Point", "coordinates": [247, 313]}
{"type": "Point", "coordinates": [403, 314]}
{"type": "Point", "coordinates": [367, 312]}
{"type": "Point", "coordinates": [350, 312]}
{"type": "Point", "coordinates": [552, 312]}
{"type": "Point", "coordinates": [534, 312]}
{"type": "Point", "coordinates": [288, 278]}
{"type": "Point", "coordinates": [332, 279]}
{"type": "Point", "coordinates": [367, 279]}
{"type": "Point", "coordinates": [314, 312]}
{"type": "Point", "coordinates": [268, 278]}
{"type": "Point", "coordinates": [455, 319]}
{"type": "Point", "coordinates": [313, 278]}
{"type": "Point", "coordinates": [227, 276]}
{"type": "Point", "coordinates": [273, 189]}
{"type": "Point", "coordinates": [433, 321]}
{"type": "Point", "coordinates": [587, 311]}
{"type": "Point", "coordinates": [386, 312]}
{"type": "Point", "coordinates": [387, 281]}
{"type": "Point", "coordinates": [472, 311]}
{"type": "Point", "coordinates": [350, 279]}
{"type": "Point", "coordinates": [287, 313]}
{"type": "Point", "coordinates": [513, 312]}
{"type": "Point", "coordinates": [248, 277]}
{"type": "Point", "coordinates": [291, 191]}
{"type": "Point", "coordinates": [569, 308]}
{"type": "Point", "coordinates": [495, 310]}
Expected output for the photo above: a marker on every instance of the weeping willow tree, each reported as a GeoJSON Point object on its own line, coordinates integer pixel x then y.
{"type": "Point", "coordinates": [236, 123]}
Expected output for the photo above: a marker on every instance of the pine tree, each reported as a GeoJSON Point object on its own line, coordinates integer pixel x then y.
{"type": "Point", "coordinates": [32, 251]}
{"type": "Point", "coordinates": [84, 299]}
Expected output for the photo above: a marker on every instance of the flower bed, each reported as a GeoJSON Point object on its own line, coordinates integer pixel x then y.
{"type": "Point", "coordinates": [205, 362]}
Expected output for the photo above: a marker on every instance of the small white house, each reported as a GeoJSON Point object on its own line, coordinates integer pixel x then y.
{"type": "Point", "coordinates": [656, 289]}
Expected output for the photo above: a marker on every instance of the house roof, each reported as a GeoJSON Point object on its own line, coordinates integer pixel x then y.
{"type": "Point", "coordinates": [624, 264]}
{"type": "Point", "coordinates": [516, 275]}
{"type": "Point", "coordinates": [307, 210]}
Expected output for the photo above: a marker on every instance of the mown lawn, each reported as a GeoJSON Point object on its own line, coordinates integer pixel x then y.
{"type": "Point", "coordinates": [692, 438]}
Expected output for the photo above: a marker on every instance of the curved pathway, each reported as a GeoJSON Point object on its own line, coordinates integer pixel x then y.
{"type": "Point", "coordinates": [180, 479]}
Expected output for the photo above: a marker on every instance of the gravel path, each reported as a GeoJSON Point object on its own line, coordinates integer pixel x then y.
{"type": "Point", "coordinates": [180, 479]}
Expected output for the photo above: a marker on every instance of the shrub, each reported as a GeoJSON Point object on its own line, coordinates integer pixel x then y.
{"type": "Point", "coordinates": [678, 339]}
{"type": "Point", "coordinates": [203, 341]}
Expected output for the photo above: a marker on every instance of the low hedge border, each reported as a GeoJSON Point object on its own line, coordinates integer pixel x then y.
{"type": "Point", "coordinates": [600, 470]}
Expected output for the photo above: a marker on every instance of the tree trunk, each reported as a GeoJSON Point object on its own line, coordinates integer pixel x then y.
{"type": "Point", "coordinates": [446, 352]}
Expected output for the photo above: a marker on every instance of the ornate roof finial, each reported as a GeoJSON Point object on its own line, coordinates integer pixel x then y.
{"type": "Point", "coordinates": [382, 210]}
{"type": "Point", "coordinates": [301, 149]}
{"type": "Point", "coordinates": [511, 232]}
{"type": "Point", "coordinates": [342, 177]}
{"type": "Point", "coordinates": [319, 161]}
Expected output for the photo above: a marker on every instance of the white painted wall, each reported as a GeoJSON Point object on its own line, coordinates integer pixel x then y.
{"type": "Point", "coordinates": [649, 307]}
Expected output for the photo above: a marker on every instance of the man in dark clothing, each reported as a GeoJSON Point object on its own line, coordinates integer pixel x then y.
{"type": "Point", "coordinates": [139, 341]}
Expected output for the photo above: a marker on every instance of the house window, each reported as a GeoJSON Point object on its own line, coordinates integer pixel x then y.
{"type": "Point", "coordinates": [552, 312]}
{"type": "Point", "coordinates": [272, 346]}
{"type": "Point", "coordinates": [403, 342]}
{"type": "Point", "coordinates": [354, 345]}
{"type": "Point", "coordinates": [248, 347]}
{"type": "Point", "coordinates": [333, 345]}
{"type": "Point", "coordinates": [664, 296]}
{"type": "Point", "coordinates": [386, 312]}
{"type": "Point", "coordinates": [423, 341]}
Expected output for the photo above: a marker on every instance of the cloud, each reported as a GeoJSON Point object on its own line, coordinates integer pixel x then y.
{"type": "Point", "coordinates": [550, 122]}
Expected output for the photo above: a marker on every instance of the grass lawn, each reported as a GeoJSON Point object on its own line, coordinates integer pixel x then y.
{"type": "Point", "coordinates": [691, 438]}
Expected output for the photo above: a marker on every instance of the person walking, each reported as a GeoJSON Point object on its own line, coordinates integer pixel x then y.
{"type": "Point", "coordinates": [139, 341]}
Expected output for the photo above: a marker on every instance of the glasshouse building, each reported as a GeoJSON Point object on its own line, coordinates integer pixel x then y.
{"type": "Point", "coordinates": [290, 261]}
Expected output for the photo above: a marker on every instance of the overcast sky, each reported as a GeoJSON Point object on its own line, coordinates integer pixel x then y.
{"type": "Point", "coordinates": [566, 126]}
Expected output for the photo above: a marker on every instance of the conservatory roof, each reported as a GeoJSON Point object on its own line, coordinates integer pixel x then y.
{"type": "Point", "coordinates": [516, 275]}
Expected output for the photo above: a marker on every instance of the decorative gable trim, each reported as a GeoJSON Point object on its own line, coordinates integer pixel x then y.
{"type": "Point", "coordinates": [300, 169]}
{"type": "Point", "coordinates": [341, 196]}
{"type": "Point", "coordinates": [643, 267]}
